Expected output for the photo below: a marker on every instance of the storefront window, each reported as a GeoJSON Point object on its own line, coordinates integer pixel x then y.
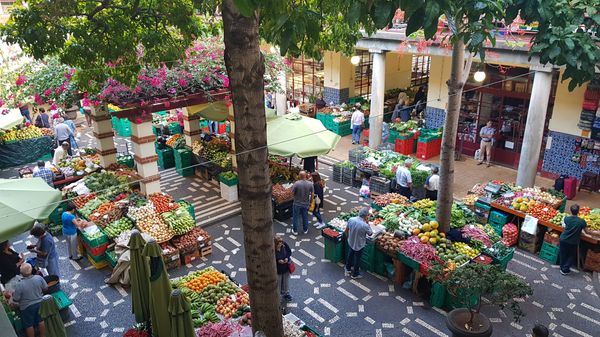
{"type": "Point", "coordinates": [305, 81]}
{"type": "Point", "coordinates": [363, 74]}
{"type": "Point", "coordinates": [420, 70]}
{"type": "Point", "coordinates": [502, 98]}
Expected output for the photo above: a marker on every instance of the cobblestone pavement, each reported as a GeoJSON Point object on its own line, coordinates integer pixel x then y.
{"type": "Point", "coordinates": [335, 305]}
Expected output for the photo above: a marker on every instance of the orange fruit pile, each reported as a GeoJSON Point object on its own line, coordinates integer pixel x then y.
{"type": "Point", "coordinates": [199, 283]}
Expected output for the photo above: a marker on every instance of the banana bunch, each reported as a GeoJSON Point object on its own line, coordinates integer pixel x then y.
{"type": "Point", "coordinates": [204, 313]}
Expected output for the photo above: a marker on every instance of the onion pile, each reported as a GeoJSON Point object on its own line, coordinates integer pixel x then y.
{"type": "Point", "coordinates": [154, 226]}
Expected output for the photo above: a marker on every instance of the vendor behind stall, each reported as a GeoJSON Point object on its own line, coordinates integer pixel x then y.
{"type": "Point", "coordinates": [10, 261]}
{"type": "Point", "coordinates": [44, 173]}
{"type": "Point", "coordinates": [60, 153]}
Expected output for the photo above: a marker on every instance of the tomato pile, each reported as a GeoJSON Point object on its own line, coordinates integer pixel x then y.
{"type": "Point", "coordinates": [163, 202]}
{"type": "Point", "coordinates": [542, 211]}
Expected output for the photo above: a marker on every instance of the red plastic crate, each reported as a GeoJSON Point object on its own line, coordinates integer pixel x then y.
{"type": "Point", "coordinates": [590, 105]}
{"type": "Point", "coordinates": [592, 94]}
{"type": "Point", "coordinates": [429, 150]}
{"type": "Point", "coordinates": [405, 146]}
{"type": "Point", "coordinates": [222, 128]}
{"type": "Point", "coordinates": [95, 251]}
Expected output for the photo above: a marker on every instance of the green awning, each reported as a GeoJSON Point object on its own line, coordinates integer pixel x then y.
{"type": "Point", "coordinates": [22, 201]}
{"type": "Point", "coordinates": [296, 135]}
{"type": "Point", "coordinates": [214, 111]}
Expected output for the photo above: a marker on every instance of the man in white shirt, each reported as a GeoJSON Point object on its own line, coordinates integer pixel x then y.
{"type": "Point", "coordinates": [358, 118]}
{"type": "Point", "coordinates": [63, 132]}
{"type": "Point", "coordinates": [432, 184]}
{"type": "Point", "coordinates": [60, 153]}
{"type": "Point", "coordinates": [404, 179]}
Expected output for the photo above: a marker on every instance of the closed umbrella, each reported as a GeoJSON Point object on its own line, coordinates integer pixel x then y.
{"type": "Point", "coordinates": [181, 316]}
{"type": "Point", "coordinates": [22, 201]}
{"type": "Point", "coordinates": [160, 290]}
{"type": "Point", "coordinates": [296, 135]}
{"type": "Point", "coordinates": [49, 313]}
{"type": "Point", "coordinates": [138, 275]}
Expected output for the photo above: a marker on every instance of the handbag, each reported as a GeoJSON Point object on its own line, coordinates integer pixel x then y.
{"type": "Point", "coordinates": [311, 207]}
{"type": "Point", "coordinates": [292, 267]}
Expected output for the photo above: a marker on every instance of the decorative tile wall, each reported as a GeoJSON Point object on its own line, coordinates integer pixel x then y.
{"type": "Point", "coordinates": [558, 158]}
{"type": "Point", "coordinates": [337, 96]}
{"type": "Point", "coordinates": [434, 117]}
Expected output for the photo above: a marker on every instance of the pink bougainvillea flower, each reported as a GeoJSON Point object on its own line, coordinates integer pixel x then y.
{"type": "Point", "coordinates": [137, 89]}
{"type": "Point", "coordinates": [2, 102]}
{"type": "Point", "coordinates": [68, 75]}
{"type": "Point", "coordinates": [172, 91]}
{"type": "Point", "coordinates": [182, 82]}
{"type": "Point", "coordinates": [156, 82]}
{"type": "Point", "coordinates": [95, 103]}
{"type": "Point", "coordinates": [167, 104]}
{"type": "Point", "coordinates": [21, 79]}
{"type": "Point", "coordinates": [38, 99]}
{"type": "Point", "coordinates": [138, 121]}
{"type": "Point", "coordinates": [53, 106]}
{"type": "Point", "coordinates": [85, 101]}
{"type": "Point", "coordinates": [228, 104]}
{"type": "Point", "coordinates": [47, 92]}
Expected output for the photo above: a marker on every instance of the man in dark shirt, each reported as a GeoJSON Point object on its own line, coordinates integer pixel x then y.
{"type": "Point", "coordinates": [569, 239]}
{"type": "Point", "coordinates": [10, 261]}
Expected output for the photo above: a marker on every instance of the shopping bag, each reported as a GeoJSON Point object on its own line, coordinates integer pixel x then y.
{"type": "Point", "coordinates": [292, 267]}
{"type": "Point", "coordinates": [477, 155]}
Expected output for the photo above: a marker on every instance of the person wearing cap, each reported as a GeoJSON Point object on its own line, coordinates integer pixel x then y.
{"type": "Point", "coordinates": [61, 152]}
{"type": "Point", "coordinates": [28, 294]}
{"type": "Point", "coordinates": [404, 179]}
{"type": "Point", "coordinates": [44, 173]}
{"type": "Point", "coordinates": [358, 230]}
{"type": "Point", "coordinates": [63, 132]}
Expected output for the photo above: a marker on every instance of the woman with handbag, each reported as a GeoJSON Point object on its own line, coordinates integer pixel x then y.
{"type": "Point", "coordinates": [285, 266]}
{"type": "Point", "coordinates": [319, 187]}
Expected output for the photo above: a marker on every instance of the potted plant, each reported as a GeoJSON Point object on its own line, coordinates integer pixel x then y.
{"type": "Point", "coordinates": [467, 286]}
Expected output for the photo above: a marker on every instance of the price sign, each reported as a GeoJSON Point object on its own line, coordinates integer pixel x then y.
{"type": "Point", "coordinates": [530, 225]}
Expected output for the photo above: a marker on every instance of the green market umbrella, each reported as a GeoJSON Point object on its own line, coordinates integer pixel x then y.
{"type": "Point", "coordinates": [49, 313]}
{"type": "Point", "coordinates": [138, 273]}
{"type": "Point", "coordinates": [296, 135]}
{"type": "Point", "coordinates": [11, 119]}
{"type": "Point", "coordinates": [215, 111]}
{"type": "Point", "coordinates": [160, 290]}
{"type": "Point", "coordinates": [22, 201]}
{"type": "Point", "coordinates": [181, 315]}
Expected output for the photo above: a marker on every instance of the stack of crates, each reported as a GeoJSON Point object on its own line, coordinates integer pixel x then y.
{"type": "Point", "coordinates": [497, 220]}
{"type": "Point", "coordinates": [183, 162]}
{"type": "Point", "coordinates": [549, 252]}
{"type": "Point", "coordinates": [334, 249]}
{"type": "Point", "coordinates": [166, 158]}
{"type": "Point", "coordinates": [337, 172]}
{"type": "Point", "coordinates": [394, 135]}
{"type": "Point", "coordinates": [174, 128]}
{"type": "Point", "coordinates": [95, 248]}
{"type": "Point", "coordinates": [380, 185]}
{"type": "Point", "coordinates": [379, 262]}
{"type": "Point", "coordinates": [405, 144]}
{"type": "Point", "coordinates": [357, 154]}
{"type": "Point", "coordinates": [124, 127]}
{"type": "Point", "coordinates": [428, 147]}
{"type": "Point", "coordinates": [342, 129]}
{"type": "Point", "coordinates": [367, 260]}
{"type": "Point", "coordinates": [56, 215]}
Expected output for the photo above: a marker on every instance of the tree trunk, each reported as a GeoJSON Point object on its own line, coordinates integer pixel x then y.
{"type": "Point", "coordinates": [455, 89]}
{"type": "Point", "coordinates": [245, 67]}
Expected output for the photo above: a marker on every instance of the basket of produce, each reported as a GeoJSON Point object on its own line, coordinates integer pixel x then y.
{"type": "Point", "coordinates": [111, 257]}
{"type": "Point", "coordinates": [105, 214]}
{"type": "Point", "coordinates": [163, 202]}
{"type": "Point", "coordinates": [500, 253]}
{"type": "Point", "coordinates": [332, 234]}
{"type": "Point", "coordinates": [137, 212]}
{"type": "Point", "coordinates": [190, 241]}
{"type": "Point", "coordinates": [117, 227]}
{"type": "Point", "coordinates": [188, 206]}
{"type": "Point", "coordinates": [154, 226]}
{"type": "Point", "coordinates": [281, 194]}
{"type": "Point", "coordinates": [170, 255]}
{"type": "Point", "coordinates": [228, 178]}
{"type": "Point", "coordinates": [93, 237]}
{"type": "Point", "coordinates": [389, 243]}
{"type": "Point", "coordinates": [91, 206]}
{"type": "Point", "coordinates": [179, 221]}
{"type": "Point", "coordinates": [552, 237]}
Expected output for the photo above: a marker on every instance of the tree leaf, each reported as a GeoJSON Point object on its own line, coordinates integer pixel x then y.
{"type": "Point", "coordinates": [382, 10]}
{"type": "Point", "coordinates": [354, 13]}
{"type": "Point", "coordinates": [554, 52]}
{"type": "Point", "coordinates": [569, 43]}
{"type": "Point", "coordinates": [246, 7]}
{"type": "Point", "coordinates": [415, 21]}
{"type": "Point", "coordinates": [432, 15]}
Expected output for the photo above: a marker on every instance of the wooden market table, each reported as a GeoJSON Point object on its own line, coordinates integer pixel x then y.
{"type": "Point", "coordinates": [66, 181]}
{"type": "Point", "coordinates": [544, 223]}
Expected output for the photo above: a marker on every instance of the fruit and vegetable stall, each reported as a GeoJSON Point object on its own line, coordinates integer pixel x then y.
{"type": "Point", "coordinates": [24, 144]}
{"type": "Point", "coordinates": [221, 308]}
{"type": "Point", "coordinates": [407, 240]}
{"type": "Point", "coordinates": [108, 201]}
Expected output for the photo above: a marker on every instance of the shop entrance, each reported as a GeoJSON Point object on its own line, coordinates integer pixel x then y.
{"type": "Point", "coordinates": [503, 98]}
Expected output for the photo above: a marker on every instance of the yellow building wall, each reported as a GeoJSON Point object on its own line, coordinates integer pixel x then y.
{"type": "Point", "coordinates": [567, 108]}
{"type": "Point", "coordinates": [437, 90]}
{"type": "Point", "coordinates": [398, 69]}
{"type": "Point", "coordinates": [339, 71]}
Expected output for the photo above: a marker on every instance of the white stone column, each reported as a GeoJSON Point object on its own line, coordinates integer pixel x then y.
{"type": "Point", "coordinates": [145, 155]}
{"type": "Point", "coordinates": [104, 133]}
{"type": "Point", "coordinates": [281, 97]}
{"type": "Point", "coordinates": [191, 127]}
{"type": "Point", "coordinates": [377, 98]}
{"type": "Point", "coordinates": [534, 129]}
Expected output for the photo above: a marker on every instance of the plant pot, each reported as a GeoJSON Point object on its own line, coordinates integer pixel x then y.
{"type": "Point", "coordinates": [456, 319]}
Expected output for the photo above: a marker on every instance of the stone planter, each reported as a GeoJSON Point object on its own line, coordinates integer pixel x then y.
{"type": "Point", "coordinates": [456, 319]}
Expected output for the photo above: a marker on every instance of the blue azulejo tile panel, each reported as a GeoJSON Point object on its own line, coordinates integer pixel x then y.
{"type": "Point", "coordinates": [565, 157]}
{"type": "Point", "coordinates": [337, 96]}
{"type": "Point", "coordinates": [434, 117]}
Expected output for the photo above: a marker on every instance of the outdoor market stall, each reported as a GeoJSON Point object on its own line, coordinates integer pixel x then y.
{"type": "Point", "coordinates": [23, 144]}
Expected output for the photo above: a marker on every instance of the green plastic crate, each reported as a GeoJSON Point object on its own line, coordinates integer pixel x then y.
{"type": "Point", "coordinates": [114, 121]}
{"type": "Point", "coordinates": [111, 257]}
{"type": "Point", "coordinates": [56, 215]}
{"type": "Point", "coordinates": [183, 157]}
{"type": "Point", "coordinates": [499, 218]}
{"type": "Point", "coordinates": [186, 172]}
{"type": "Point", "coordinates": [98, 259]}
{"type": "Point", "coordinates": [549, 252]}
{"type": "Point", "coordinates": [96, 242]}
{"type": "Point", "coordinates": [342, 129]}
{"type": "Point", "coordinates": [174, 128]}
{"type": "Point", "coordinates": [393, 136]}
{"type": "Point", "coordinates": [165, 158]}
{"type": "Point", "coordinates": [334, 250]}
{"type": "Point", "coordinates": [190, 207]}
{"type": "Point", "coordinates": [408, 261]}
{"type": "Point", "coordinates": [438, 295]}
{"type": "Point", "coordinates": [497, 228]}
{"type": "Point", "coordinates": [124, 127]}
{"type": "Point", "coordinates": [126, 160]}
{"type": "Point", "coordinates": [228, 182]}
{"type": "Point", "coordinates": [379, 262]}
{"type": "Point", "coordinates": [62, 301]}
